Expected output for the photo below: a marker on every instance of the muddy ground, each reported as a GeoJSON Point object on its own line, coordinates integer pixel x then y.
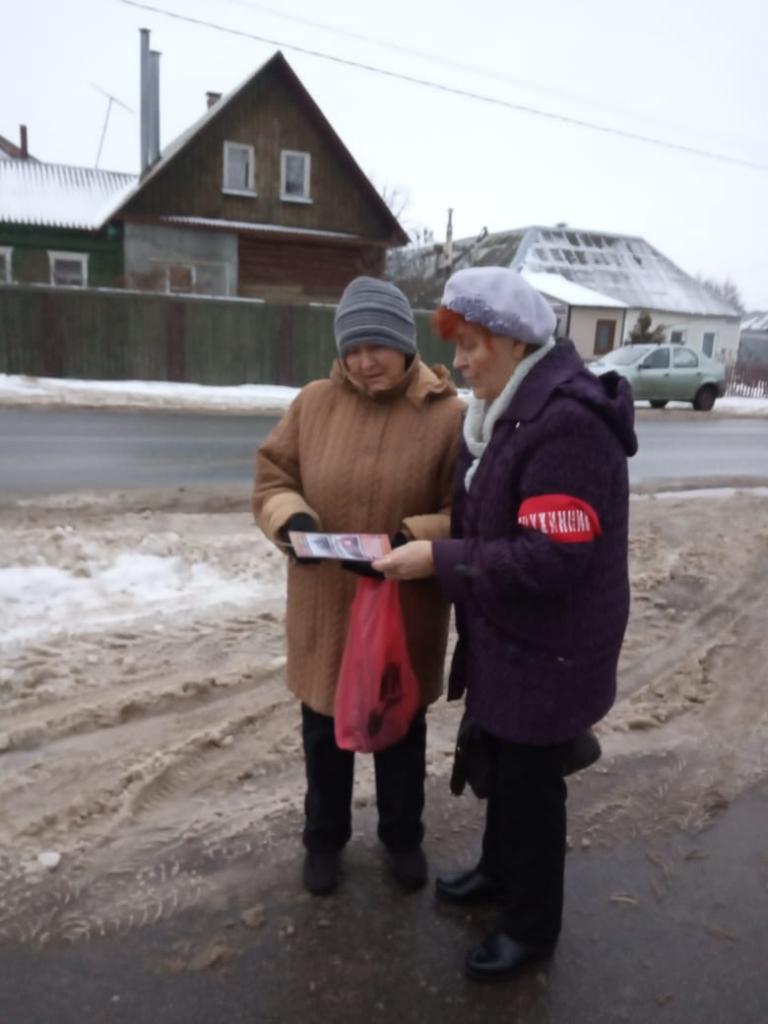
{"type": "Point", "coordinates": [147, 726]}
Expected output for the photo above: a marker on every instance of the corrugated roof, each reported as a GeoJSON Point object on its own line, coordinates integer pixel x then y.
{"type": "Point", "coordinates": [558, 287]}
{"type": "Point", "coordinates": [56, 195]}
{"type": "Point", "coordinates": [623, 267]}
{"type": "Point", "coordinates": [755, 322]}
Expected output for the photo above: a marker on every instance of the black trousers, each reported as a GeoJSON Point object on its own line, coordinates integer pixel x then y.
{"type": "Point", "coordinates": [400, 771]}
{"type": "Point", "coordinates": [524, 838]}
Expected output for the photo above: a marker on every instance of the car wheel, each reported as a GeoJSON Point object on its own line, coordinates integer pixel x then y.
{"type": "Point", "coordinates": [658, 403]}
{"type": "Point", "coordinates": [705, 398]}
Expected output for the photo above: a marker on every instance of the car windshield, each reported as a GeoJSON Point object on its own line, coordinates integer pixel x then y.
{"type": "Point", "coordinates": [625, 355]}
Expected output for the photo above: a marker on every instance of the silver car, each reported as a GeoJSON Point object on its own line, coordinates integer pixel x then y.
{"type": "Point", "coordinates": [666, 373]}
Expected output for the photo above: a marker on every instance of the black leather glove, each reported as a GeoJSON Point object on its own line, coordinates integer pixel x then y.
{"type": "Point", "coordinates": [362, 569]}
{"type": "Point", "coordinates": [300, 522]}
{"type": "Point", "coordinates": [365, 568]}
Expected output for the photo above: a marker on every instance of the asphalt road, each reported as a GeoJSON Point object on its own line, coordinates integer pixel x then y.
{"type": "Point", "coordinates": [54, 450]}
{"type": "Point", "coordinates": [664, 929]}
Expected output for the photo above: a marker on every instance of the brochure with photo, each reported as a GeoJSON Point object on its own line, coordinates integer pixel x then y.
{"type": "Point", "coordinates": [351, 547]}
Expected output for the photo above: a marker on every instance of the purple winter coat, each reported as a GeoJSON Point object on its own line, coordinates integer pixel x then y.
{"type": "Point", "coordinates": [541, 615]}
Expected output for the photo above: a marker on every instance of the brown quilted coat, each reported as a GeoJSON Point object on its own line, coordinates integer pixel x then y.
{"type": "Point", "coordinates": [360, 464]}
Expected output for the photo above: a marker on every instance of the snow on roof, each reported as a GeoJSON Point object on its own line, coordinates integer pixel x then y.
{"type": "Point", "coordinates": [755, 322]}
{"type": "Point", "coordinates": [624, 267]}
{"type": "Point", "coordinates": [248, 225]}
{"type": "Point", "coordinates": [56, 195]}
{"type": "Point", "coordinates": [558, 287]}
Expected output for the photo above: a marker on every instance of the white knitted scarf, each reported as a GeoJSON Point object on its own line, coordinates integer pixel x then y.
{"type": "Point", "coordinates": [481, 417]}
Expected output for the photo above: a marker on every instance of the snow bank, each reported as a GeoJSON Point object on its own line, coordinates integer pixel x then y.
{"type": "Point", "coordinates": [248, 398]}
{"type": "Point", "coordinates": [68, 576]}
{"type": "Point", "coordinates": [143, 394]}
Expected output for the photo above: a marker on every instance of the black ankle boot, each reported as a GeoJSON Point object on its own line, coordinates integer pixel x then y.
{"type": "Point", "coordinates": [321, 871]}
{"type": "Point", "coordinates": [499, 957]}
{"type": "Point", "coordinates": [470, 886]}
{"type": "Point", "coordinates": [409, 867]}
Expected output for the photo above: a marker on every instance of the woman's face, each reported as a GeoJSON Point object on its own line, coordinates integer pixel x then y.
{"type": "Point", "coordinates": [376, 367]}
{"type": "Point", "coordinates": [485, 364]}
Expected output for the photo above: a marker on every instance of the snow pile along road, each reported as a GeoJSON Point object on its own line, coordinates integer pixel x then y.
{"type": "Point", "coordinates": [263, 398]}
{"type": "Point", "coordinates": [143, 394]}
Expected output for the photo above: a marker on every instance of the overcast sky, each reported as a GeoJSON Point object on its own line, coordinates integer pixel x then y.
{"type": "Point", "coordinates": [693, 72]}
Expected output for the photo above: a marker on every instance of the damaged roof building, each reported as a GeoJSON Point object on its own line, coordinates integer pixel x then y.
{"type": "Point", "coordinates": [598, 284]}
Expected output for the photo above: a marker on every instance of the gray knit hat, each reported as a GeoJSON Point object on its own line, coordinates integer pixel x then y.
{"type": "Point", "coordinates": [373, 312]}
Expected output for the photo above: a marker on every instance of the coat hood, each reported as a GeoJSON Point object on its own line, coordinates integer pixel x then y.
{"type": "Point", "coordinates": [563, 372]}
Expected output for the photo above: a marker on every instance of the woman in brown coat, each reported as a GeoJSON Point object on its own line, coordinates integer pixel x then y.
{"type": "Point", "coordinates": [369, 450]}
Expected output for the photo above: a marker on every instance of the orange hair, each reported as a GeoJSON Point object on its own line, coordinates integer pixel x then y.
{"type": "Point", "coordinates": [445, 323]}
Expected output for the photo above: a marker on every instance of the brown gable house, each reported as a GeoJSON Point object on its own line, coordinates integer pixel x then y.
{"type": "Point", "coordinates": [259, 198]}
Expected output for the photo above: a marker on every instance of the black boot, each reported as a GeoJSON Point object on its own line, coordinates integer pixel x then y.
{"type": "Point", "coordinates": [499, 957]}
{"type": "Point", "coordinates": [468, 887]}
{"type": "Point", "coordinates": [409, 867]}
{"type": "Point", "coordinates": [321, 871]}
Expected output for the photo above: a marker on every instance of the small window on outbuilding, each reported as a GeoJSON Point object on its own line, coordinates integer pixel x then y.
{"type": "Point", "coordinates": [181, 278]}
{"type": "Point", "coordinates": [708, 343]}
{"type": "Point", "coordinates": [6, 275]}
{"type": "Point", "coordinates": [68, 269]}
{"type": "Point", "coordinates": [294, 176]}
{"type": "Point", "coordinates": [239, 169]}
{"type": "Point", "coordinates": [677, 337]}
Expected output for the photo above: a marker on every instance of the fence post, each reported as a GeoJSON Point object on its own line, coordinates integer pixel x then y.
{"type": "Point", "coordinates": [175, 342]}
{"type": "Point", "coordinates": [52, 341]}
{"type": "Point", "coordinates": [285, 361]}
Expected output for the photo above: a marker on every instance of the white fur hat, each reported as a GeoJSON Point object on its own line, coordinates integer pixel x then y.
{"type": "Point", "coordinates": [499, 299]}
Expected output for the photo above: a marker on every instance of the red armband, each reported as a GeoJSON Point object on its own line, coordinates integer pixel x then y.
{"type": "Point", "coordinates": [561, 517]}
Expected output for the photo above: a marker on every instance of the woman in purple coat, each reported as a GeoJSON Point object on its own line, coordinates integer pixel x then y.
{"type": "Point", "coordinates": [537, 569]}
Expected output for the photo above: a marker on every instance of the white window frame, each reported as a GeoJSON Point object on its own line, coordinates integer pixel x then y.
{"type": "Point", "coordinates": [7, 251]}
{"type": "Point", "coordinates": [250, 191]}
{"type": "Point", "coordinates": [704, 336]}
{"type": "Point", "coordinates": [306, 197]}
{"type": "Point", "coordinates": [72, 257]}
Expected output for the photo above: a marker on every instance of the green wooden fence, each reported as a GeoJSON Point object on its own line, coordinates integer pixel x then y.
{"type": "Point", "coordinates": [110, 334]}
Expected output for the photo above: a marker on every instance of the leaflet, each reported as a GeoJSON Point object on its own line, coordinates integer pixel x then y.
{"type": "Point", "coordinates": [350, 547]}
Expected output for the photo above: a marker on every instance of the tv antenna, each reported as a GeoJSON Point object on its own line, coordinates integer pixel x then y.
{"type": "Point", "coordinates": [110, 100]}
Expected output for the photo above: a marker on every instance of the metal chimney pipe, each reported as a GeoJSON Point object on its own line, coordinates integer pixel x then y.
{"type": "Point", "coordinates": [24, 148]}
{"type": "Point", "coordinates": [144, 90]}
{"type": "Point", "coordinates": [154, 106]}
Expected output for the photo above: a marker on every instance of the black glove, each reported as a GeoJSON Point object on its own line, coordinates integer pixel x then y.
{"type": "Point", "coordinates": [366, 569]}
{"type": "Point", "coordinates": [300, 522]}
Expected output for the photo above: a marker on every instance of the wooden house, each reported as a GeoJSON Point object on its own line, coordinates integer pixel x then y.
{"type": "Point", "coordinates": [259, 198]}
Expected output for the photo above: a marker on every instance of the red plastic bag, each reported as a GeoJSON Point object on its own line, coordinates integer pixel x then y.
{"type": "Point", "coordinates": [378, 694]}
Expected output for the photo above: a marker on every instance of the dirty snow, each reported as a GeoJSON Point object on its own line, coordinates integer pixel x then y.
{"type": "Point", "coordinates": [265, 398]}
{"type": "Point", "coordinates": [143, 706]}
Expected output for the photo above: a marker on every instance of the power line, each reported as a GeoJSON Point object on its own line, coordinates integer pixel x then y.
{"type": "Point", "coordinates": [454, 90]}
{"type": "Point", "coordinates": [397, 47]}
